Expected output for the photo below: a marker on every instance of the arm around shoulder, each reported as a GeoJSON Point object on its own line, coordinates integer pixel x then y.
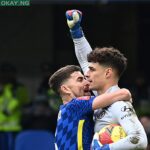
{"type": "Point", "coordinates": [107, 99]}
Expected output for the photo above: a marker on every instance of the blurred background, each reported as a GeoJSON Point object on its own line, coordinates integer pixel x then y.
{"type": "Point", "coordinates": [35, 41]}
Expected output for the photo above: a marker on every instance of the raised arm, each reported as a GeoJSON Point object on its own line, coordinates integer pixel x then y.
{"type": "Point", "coordinates": [82, 47]}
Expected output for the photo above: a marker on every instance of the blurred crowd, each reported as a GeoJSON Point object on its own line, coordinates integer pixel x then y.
{"type": "Point", "coordinates": [18, 112]}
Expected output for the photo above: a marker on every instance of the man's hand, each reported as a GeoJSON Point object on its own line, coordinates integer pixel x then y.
{"type": "Point", "coordinates": [96, 145]}
{"type": "Point", "coordinates": [127, 94]}
{"type": "Point", "coordinates": [74, 18]}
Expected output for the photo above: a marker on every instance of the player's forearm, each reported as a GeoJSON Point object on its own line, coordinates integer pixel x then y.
{"type": "Point", "coordinates": [109, 98]}
{"type": "Point", "coordinates": [82, 49]}
{"type": "Point", "coordinates": [127, 118]}
{"type": "Point", "coordinates": [131, 142]}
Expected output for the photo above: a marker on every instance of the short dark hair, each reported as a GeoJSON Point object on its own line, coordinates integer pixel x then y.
{"type": "Point", "coordinates": [61, 75]}
{"type": "Point", "coordinates": [109, 57]}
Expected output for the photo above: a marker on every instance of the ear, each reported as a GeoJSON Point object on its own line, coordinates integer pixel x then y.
{"type": "Point", "coordinates": [108, 72]}
{"type": "Point", "coordinates": [65, 89]}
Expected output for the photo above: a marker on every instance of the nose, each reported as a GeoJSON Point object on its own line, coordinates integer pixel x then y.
{"type": "Point", "coordinates": [87, 75]}
{"type": "Point", "coordinates": [87, 83]}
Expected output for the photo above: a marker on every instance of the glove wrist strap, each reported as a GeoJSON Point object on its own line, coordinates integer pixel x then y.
{"type": "Point", "coordinates": [105, 147]}
{"type": "Point", "coordinates": [78, 33]}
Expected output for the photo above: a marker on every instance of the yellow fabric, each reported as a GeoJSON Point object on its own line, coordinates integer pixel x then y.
{"type": "Point", "coordinates": [79, 134]}
{"type": "Point", "coordinates": [9, 113]}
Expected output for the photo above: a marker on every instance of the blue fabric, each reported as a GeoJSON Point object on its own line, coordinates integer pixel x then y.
{"type": "Point", "coordinates": [67, 125]}
{"type": "Point", "coordinates": [7, 140]}
{"type": "Point", "coordinates": [96, 146]}
{"type": "Point", "coordinates": [76, 31]}
{"type": "Point", "coordinates": [34, 140]}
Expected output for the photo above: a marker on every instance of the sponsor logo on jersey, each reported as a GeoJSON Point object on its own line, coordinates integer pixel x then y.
{"type": "Point", "coordinates": [99, 114]}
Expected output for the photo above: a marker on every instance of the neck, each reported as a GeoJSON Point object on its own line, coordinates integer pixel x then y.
{"type": "Point", "coordinates": [106, 87]}
{"type": "Point", "coordinates": [66, 98]}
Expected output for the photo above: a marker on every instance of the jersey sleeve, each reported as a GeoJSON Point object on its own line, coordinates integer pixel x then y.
{"type": "Point", "coordinates": [82, 48]}
{"type": "Point", "coordinates": [136, 137]}
{"type": "Point", "coordinates": [83, 105]}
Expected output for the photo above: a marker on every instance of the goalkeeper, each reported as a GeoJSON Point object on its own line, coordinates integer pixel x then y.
{"type": "Point", "coordinates": [75, 126]}
{"type": "Point", "coordinates": [101, 66]}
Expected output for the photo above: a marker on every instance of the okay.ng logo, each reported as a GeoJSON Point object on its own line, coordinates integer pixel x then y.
{"type": "Point", "coordinates": [14, 2]}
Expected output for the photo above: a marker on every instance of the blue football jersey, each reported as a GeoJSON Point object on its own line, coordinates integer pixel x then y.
{"type": "Point", "coordinates": [75, 126]}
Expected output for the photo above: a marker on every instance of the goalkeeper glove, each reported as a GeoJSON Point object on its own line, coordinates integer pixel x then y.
{"type": "Point", "coordinates": [96, 145]}
{"type": "Point", "coordinates": [74, 18]}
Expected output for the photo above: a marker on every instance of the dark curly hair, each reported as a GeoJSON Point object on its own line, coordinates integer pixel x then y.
{"type": "Point", "coordinates": [109, 57]}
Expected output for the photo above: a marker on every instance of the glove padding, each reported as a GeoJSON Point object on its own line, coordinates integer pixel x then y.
{"type": "Point", "coordinates": [74, 18]}
{"type": "Point", "coordinates": [96, 145]}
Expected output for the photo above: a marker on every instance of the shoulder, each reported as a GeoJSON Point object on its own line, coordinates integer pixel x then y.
{"type": "Point", "coordinates": [79, 100]}
{"type": "Point", "coordinates": [122, 106]}
{"type": "Point", "coordinates": [84, 98]}
{"type": "Point", "coordinates": [121, 103]}
{"type": "Point", "coordinates": [123, 110]}
{"type": "Point", "coordinates": [85, 101]}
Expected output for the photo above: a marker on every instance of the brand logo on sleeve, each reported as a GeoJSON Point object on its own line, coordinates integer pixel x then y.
{"type": "Point", "coordinates": [129, 111]}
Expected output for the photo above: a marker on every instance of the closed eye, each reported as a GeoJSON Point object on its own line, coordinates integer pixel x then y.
{"type": "Point", "coordinates": [80, 79]}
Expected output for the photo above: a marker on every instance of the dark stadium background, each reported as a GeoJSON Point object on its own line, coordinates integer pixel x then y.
{"type": "Point", "coordinates": [38, 34]}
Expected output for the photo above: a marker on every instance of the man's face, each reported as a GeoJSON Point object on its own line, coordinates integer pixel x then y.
{"type": "Point", "coordinates": [96, 76]}
{"type": "Point", "coordinates": [77, 85]}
